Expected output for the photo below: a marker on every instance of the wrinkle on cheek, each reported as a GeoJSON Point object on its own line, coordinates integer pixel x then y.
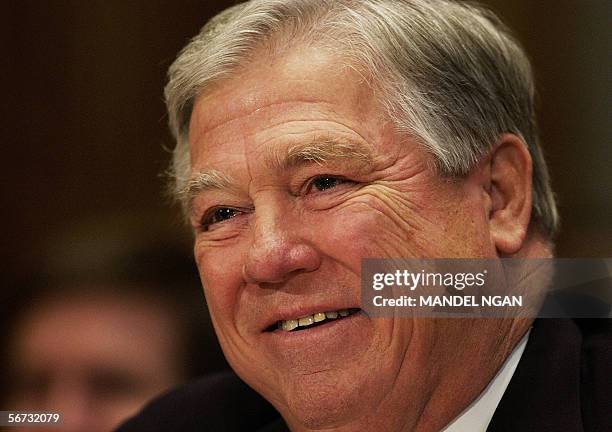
{"type": "Point", "coordinates": [401, 220]}
{"type": "Point", "coordinates": [237, 346]}
{"type": "Point", "coordinates": [372, 233]}
{"type": "Point", "coordinates": [393, 206]}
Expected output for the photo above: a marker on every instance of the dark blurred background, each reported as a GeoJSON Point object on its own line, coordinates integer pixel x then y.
{"type": "Point", "coordinates": [84, 125]}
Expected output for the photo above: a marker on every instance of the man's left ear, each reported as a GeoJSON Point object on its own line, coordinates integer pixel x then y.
{"type": "Point", "coordinates": [510, 169]}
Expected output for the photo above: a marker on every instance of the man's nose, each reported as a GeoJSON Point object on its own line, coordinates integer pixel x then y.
{"type": "Point", "coordinates": [278, 249]}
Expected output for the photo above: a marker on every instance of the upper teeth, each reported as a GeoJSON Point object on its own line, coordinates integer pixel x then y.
{"type": "Point", "coordinates": [307, 320]}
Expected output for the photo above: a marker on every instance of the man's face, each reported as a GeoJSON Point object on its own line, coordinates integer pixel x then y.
{"type": "Point", "coordinates": [301, 175]}
{"type": "Point", "coordinates": [95, 359]}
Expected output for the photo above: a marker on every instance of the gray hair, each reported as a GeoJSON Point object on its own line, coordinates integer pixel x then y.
{"type": "Point", "coordinates": [449, 74]}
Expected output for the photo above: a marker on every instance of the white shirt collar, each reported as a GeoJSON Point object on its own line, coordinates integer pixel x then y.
{"type": "Point", "coordinates": [477, 416]}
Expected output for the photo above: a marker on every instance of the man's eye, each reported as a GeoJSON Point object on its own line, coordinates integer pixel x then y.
{"type": "Point", "coordinates": [218, 215]}
{"type": "Point", "coordinates": [326, 182]}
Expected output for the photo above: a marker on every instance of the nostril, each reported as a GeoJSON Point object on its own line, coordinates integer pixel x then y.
{"type": "Point", "coordinates": [279, 260]}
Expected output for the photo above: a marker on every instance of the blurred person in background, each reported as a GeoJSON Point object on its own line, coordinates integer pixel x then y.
{"type": "Point", "coordinates": [107, 328]}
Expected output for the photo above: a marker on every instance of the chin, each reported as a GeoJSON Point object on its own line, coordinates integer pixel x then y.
{"type": "Point", "coordinates": [329, 399]}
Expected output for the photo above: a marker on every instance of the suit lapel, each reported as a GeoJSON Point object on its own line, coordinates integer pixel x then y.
{"type": "Point", "coordinates": [544, 393]}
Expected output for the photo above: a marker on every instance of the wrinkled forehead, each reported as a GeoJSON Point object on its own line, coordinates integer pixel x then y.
{"type": "Point", "coordinates": [284, 85]}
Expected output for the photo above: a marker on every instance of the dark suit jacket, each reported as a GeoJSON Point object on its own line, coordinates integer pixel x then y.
{"type": "Point", "coordinates": [563, 383]}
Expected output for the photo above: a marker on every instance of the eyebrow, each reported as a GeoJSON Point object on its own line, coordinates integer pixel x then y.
{"type": "Point", "coordinates": [319, 151]}
{"type": "Point", "coordinates": [203, 181]}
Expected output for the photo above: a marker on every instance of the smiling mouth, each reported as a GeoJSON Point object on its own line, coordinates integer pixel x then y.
{"type": "Point", "coordinates": [314, 320]}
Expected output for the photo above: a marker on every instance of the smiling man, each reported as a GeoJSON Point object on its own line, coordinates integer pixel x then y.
{"type": "Point", "coordinates": [312, 134]}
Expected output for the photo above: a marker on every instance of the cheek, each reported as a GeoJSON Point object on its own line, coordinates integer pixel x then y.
{"type": "Point", "coordinates": [355, 231]}
{"type": "Point", "coordinates": [221, 276]}
{"type": "Point", "coordinates": [468, 236]}
{"type": "Point", "coordinates": [437, 223]}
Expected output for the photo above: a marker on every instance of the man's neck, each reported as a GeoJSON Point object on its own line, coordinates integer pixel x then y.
{"type": "Point", "coordinates": [476, 417]}
{"type": "Point", "coordinates": [473, 370]}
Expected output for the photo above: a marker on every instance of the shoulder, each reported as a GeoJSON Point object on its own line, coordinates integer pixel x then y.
{"type": "Point", "coordinates": [563, 379]}
{"type": "Point", "coordinates": [596, 372]}
{"type": "Point", "coordinates": [217, 402]}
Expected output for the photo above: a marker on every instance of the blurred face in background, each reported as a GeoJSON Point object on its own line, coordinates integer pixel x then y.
{"type": "Point", "coordinates": [94, 359]}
